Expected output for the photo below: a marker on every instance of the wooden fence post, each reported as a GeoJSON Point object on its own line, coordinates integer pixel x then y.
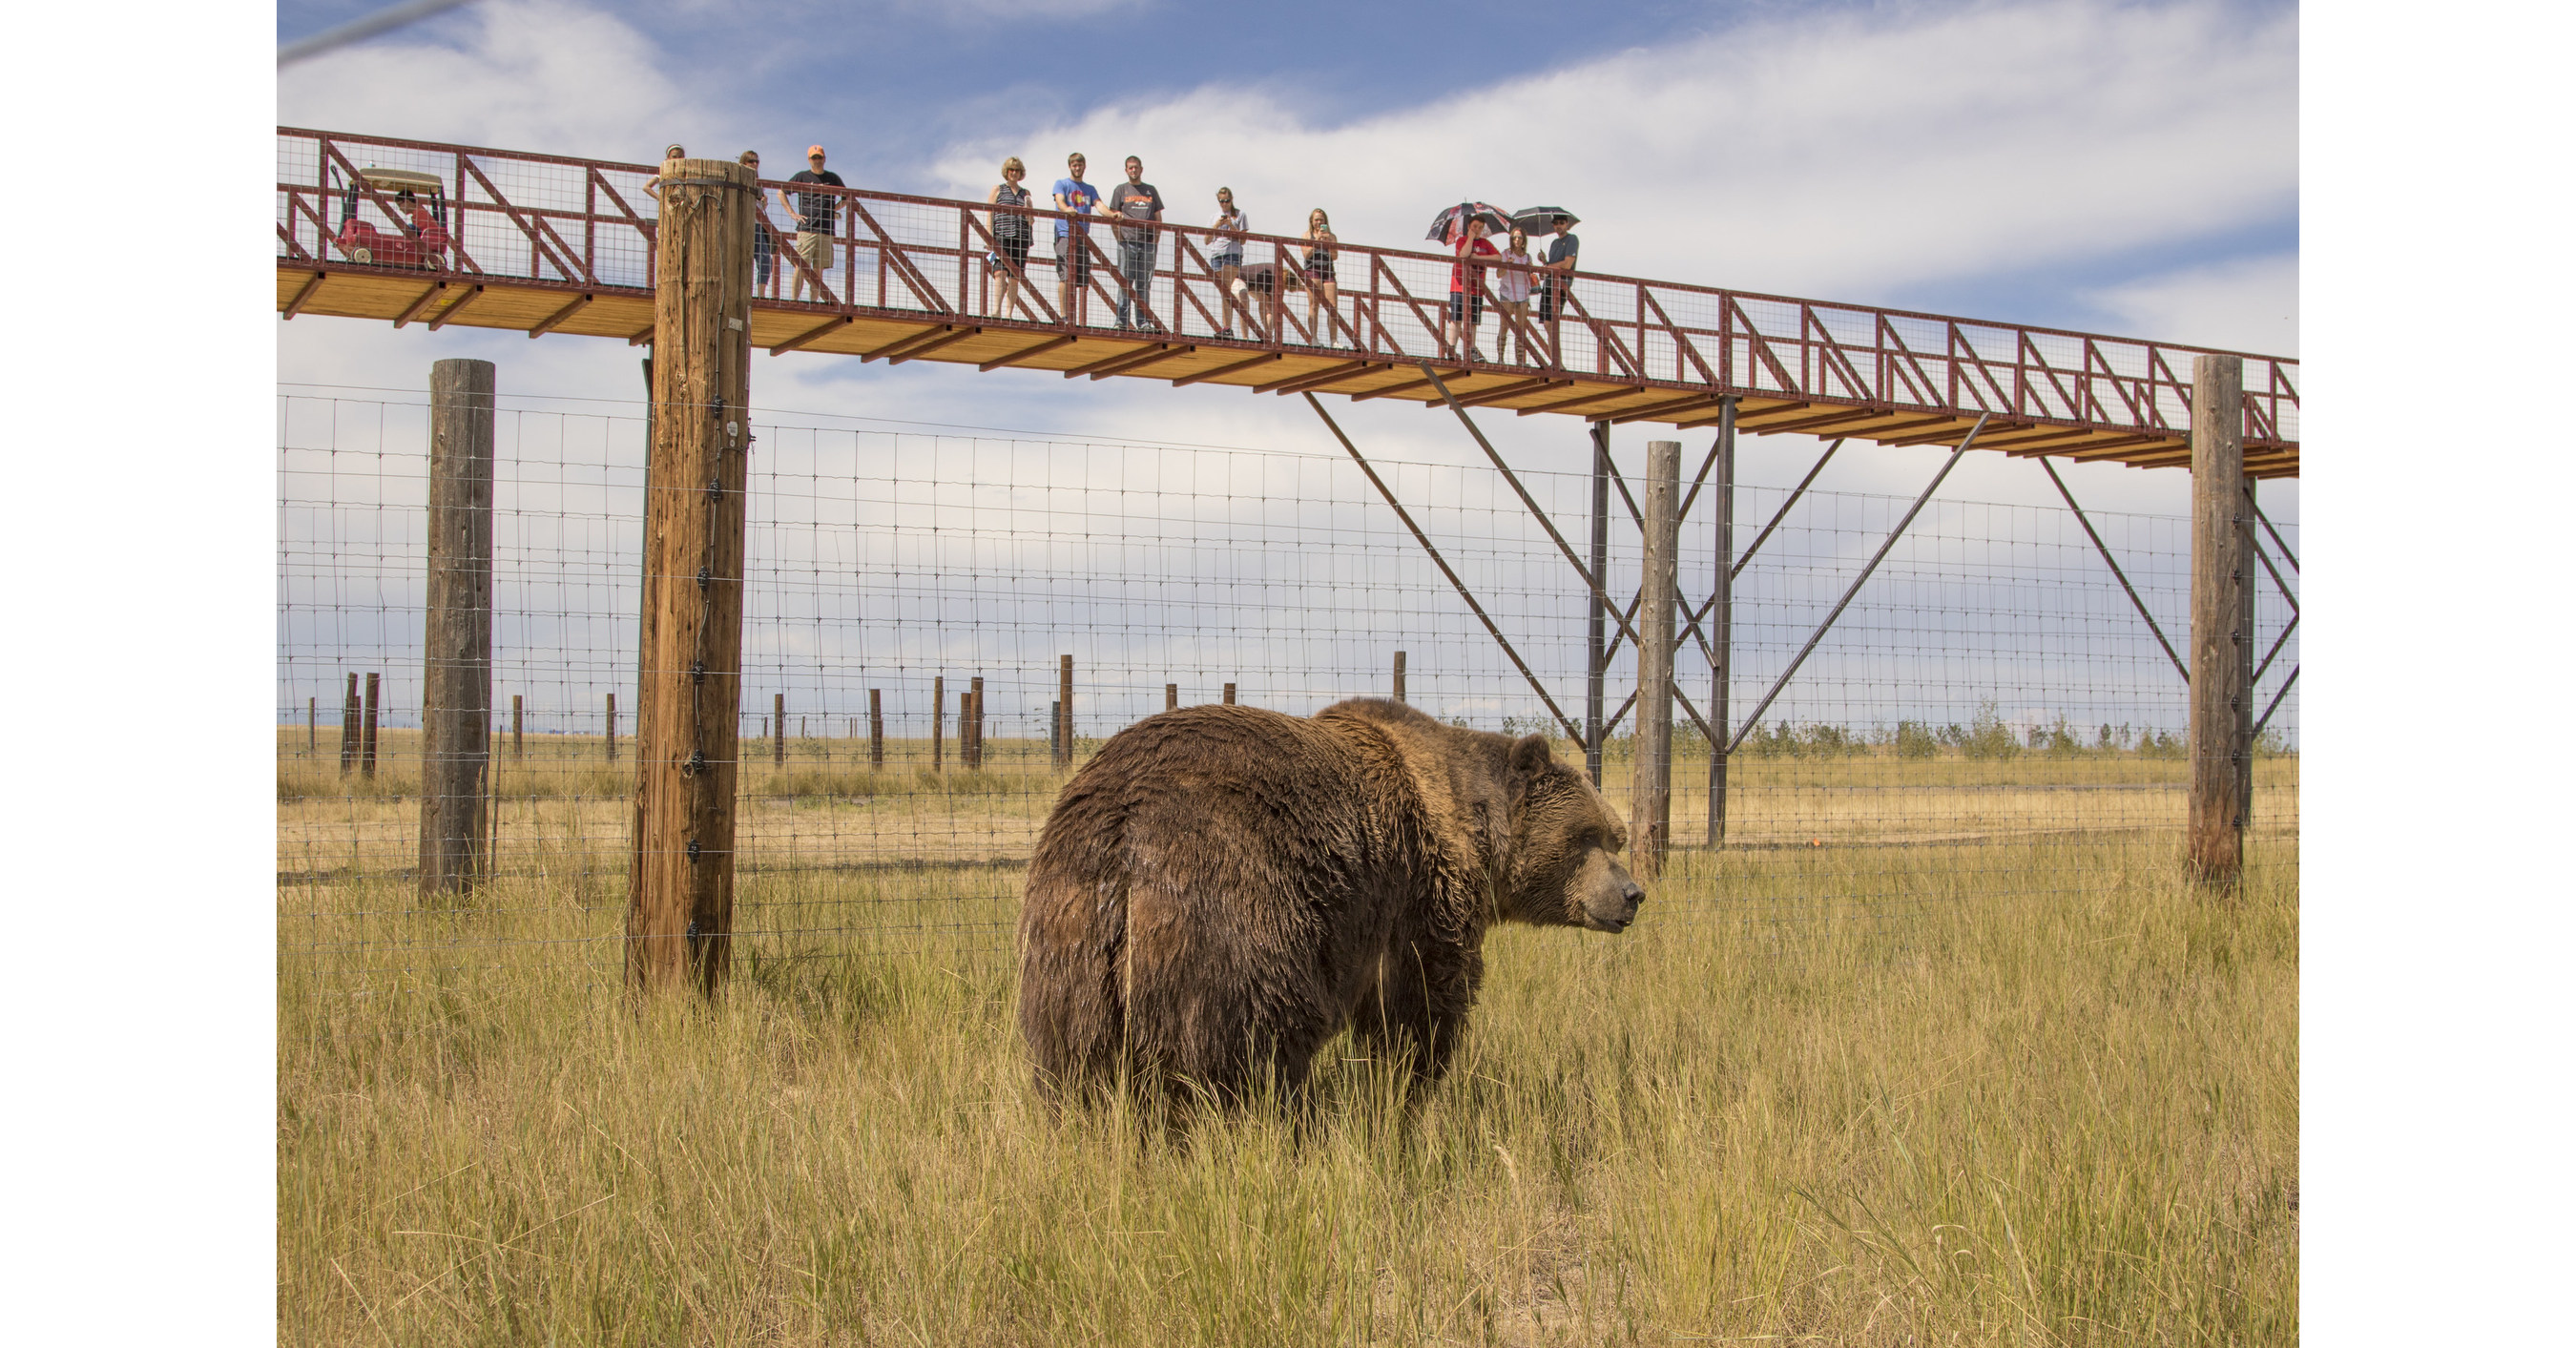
{"type": "Point", "coordinates": [938, 720]}
{"type": "Point", "coordinates": [688, 725]}
{"type": "Point", "coordinates": [1721, 625]}
{"type": "Point", "coordinates": [2222, 622]}
{"type": "Point", "coordinates": [349, 728]}
{"type": "Point", "coordinates": [1650, 822]}
{"type": "Point", "coordinates": [367, 732]}
{"type": "Point", "coordinates": [1399, 675]}
{"type": "Point", "coordinates": [518, 730]}
{"type": "Point", "coordinates": [975, 722]}
{"type": "Point", "coordinates": [1171, 697]}
{"type": "Point", "coordinates": [1064, 711]}
{"type": "Point", "coordinates": [778, 729]}
{"type": "Point", "coordinates": [1229, 695]}
{"type": "Point", "coordinates": [456, 639]}
{"type": "Point", "coordinates": [312, 714]}
{"type": "Point", "coordinates": [611, 723]}
{"type": "Point", "coordinates": [876, 730]}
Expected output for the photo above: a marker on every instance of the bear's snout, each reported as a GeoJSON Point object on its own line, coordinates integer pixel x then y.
{"type": "Point", "coordinates": [1615, 908]}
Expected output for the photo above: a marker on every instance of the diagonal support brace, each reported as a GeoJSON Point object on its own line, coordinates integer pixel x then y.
{"type": "Point", "coordinates": [2109, 561]}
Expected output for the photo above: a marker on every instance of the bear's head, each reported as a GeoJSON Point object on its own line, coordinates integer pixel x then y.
{"type": "Point", "coordinates": [1563, 867]}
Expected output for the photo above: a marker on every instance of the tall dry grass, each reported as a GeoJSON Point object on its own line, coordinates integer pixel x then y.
{"type": "Point", "coordinates": [1992, 1104]}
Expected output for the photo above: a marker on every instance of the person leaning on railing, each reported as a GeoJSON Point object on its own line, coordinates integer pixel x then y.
{"type": "Point", "coordinates": [653, 185]}
{"type": "Point", "coordinates": [1553, 283]}
{"type": "Point", "coordinates": [1136, 200]}
{"type": "Point", "coordinates": [1072, 256]}
{"type": "Point", "coordinates": [764, 243]}
{"type": "Point", "coordinates": [815, 213]}
{"type": "Point", "coordinates": [1011, 233]}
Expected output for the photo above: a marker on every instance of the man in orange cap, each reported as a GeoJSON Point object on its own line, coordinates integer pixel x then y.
{"type": "Point", "coordinates": [814, 212]}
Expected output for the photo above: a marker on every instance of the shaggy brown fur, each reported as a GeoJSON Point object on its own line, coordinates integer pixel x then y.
{"type": "Point", "coordinates": [1222, 889]}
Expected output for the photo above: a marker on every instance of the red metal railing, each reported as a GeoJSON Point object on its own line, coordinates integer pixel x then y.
{"type": "Point", "coordinates": [586, 226]}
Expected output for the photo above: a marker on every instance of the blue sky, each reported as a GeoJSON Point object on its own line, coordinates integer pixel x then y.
{"type": "Point", "coordinates": [2120, 167]}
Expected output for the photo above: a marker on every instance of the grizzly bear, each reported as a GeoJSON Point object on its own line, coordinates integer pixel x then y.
{"type": "Point", "coordinates": [1222, 889]}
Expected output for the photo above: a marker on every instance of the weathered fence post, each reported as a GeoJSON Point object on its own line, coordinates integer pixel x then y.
{"type": "Point", "coordinates": [1171, 697]}
{"type": "Point", "coordinates": [349, 728]}
{"type": "Point", "coordinates": [778, 729]}
{"type": "Point", "coordinates": [974, 730]}
{"type": "Point", "coordinates": [367, 732]}
{"type": "Point", "coordinates": [1399, 676]}
{"type": "Point", "coordinates": [2222, 622]}
{"type": "Point", "coordinates": [688, 726]}
{"type": "Point", "coordinates": [1651, 801]}
{"type": "Point", "coordinates": [1721, 625]}
{"type": "Point", "coordinates": [938, 719]}
{"type": "Point", "coordinates": [1229, 695]}
{"type": "Point", "coordinates": [312, 737]}
{"type": "Point", "coordinates": [1596, 607]}
{"type": "Point", "coordinates": [876, 730]}
{"type": "Point", "coordinates": [1064, 712]}
{"type": "Point", "coordinates": [456, 719]}
{"type": "Point", "coordinates": [518, 730]}
{"type": "Point", "coordinates": [610, 722]}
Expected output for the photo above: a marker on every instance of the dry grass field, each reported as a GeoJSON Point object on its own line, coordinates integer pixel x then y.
{"type": "Point", "coordinates": [1946, 1051]}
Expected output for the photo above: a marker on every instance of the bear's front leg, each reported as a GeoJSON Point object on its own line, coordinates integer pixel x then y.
{"type": "Point", "coordinates": [1415, 1011]}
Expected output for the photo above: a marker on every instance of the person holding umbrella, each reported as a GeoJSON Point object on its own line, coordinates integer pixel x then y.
{"type": "Point", "coordinates": [1557, 268]}
{"type": "Point", "coordinates": [1467, 290]}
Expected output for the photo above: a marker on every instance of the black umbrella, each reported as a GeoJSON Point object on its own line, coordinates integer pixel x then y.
{"type": "Point", "coordinates": [1539, 221]}
{"type": "Point", "coordinates": [1445, 225]}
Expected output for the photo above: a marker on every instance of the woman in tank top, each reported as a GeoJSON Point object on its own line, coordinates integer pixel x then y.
{"type": "Point", "coordinates": [1011, 234]}
{"type": "Point", "coordinates": [1319, 274]}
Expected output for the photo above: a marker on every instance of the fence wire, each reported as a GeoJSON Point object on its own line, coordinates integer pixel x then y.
{"type": "Point", "coordinates": [1990, 711]}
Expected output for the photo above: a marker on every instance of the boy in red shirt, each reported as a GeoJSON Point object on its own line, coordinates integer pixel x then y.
{"type": "Point", "coordinates": [1467, 290]}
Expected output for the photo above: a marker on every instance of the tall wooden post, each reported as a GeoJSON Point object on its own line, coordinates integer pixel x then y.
{"type": "Point", "coordinates": [1650, 823]}
{"type": "Point", "coordinates": [1721, 624]}
{"type": "Point", "coordinates": [974, 729]}
{"type": "Point", "coordinates": [1597, 606]}
{"type": "Point", "coordinates": [1055, 734]}
{"type": "Point", "coordinates": [876, 730]}
{"type": "Point", "coordinates": [688, 727]}
{"type": "Point", "coordinates": [938, 719]}
{"type": "Point", "coordinates": [2222, 622]}
{"type": "Point", "coordinates": [1171, 697]}
{"type": "Point", "coordinates": [456, 640]}
{"type": "Point", "coordinates": [1064, 712]}
{"type": "Point", "coordinates": [609, 722]}
{"type": "Point", "coordinates": [1229, 695]}
{"type": "Point", "coordinates": [778, 729]}
{"type": "Point", "coordinates": [518, 730]}
{"type": "Point", "coordinates": [349, 728]}
{"type": "Point", "coordinates": [312, 715]}
{"type": "Point", "coordinates": [367, 732]}
{"type": "Point", "coordinates": [1399, 676]}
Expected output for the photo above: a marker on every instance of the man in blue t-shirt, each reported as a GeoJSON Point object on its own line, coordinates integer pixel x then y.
{"type": "Point", "coordinates": [1072, 237]}
{"type": "Point", "coordinates": [1552, 282]}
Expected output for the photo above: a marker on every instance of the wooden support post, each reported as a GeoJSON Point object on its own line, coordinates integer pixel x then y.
{"type": "Point", "coordinates": [778, 730]}
{"type": "Point", "coordinates": [2222, 622]}
{"type": "Point", "coordinates": [312, 716]}
{"type": "Point", "coordinates": [1650, 823]}
{"type": "Point", "coordinates": [456, 638]}
{"type": "Point", "coordinates": [367, 732]}
{"type": "Point", "coordinates": [965, 728]}
{"type": "Point", "coordinates": [1171, 697]}
{"type": "Point", "coordinates": [518, 730]}
{"type": "Point", "coordinates": [1399, 676]}
{"type": "Point", "coordinates": [609, 721]}
{"type": "Point", "coordinates": [688, 726]}
{"type": "Point", "coordinates": [876, 730]}
{"type": "Point", "coordinates": [1229, 695]}
{"type": "Point", "coordinates": [1064, 712]}
{"type": "Point", "coordinates": [1597, 606]}
{"type": "Point", "coordinates": [1721, 625]}
{"type": "Point", "coordinates": [349, 728]}
{"type": "Point", "coordinates": [1055, 734]}
{"type": "Point", "coordinates": [938, 718]}
{"type": "Point", "coordinates": [975, 722]}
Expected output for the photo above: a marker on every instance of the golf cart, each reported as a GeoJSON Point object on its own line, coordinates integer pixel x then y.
{"type": "Point", "coordinates": [423, 239]}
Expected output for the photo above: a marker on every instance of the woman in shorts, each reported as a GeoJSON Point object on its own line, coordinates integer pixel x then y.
{"type": "Point", "coordinates": [1512, 292]}
{"type": "Point", "coordinates": [1319, 273]}
{"type": "Point", "coordinates": [1225, 258]}
{"type": "Point", "coordinates": [1011, 233]}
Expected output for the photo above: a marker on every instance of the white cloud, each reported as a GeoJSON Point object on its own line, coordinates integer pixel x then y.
{"type": "Point", "coordinates": [2247, 304]}
{"type": "Point", "coordinates": [1836, 155]}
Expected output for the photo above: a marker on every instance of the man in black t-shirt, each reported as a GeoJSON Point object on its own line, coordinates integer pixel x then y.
{"type": "Point", "coordinates": [1552, 282]}
{"type": "Point", "coordinates": [815, 213]}
{"type": "Point", "coordinates": [1136, 200]}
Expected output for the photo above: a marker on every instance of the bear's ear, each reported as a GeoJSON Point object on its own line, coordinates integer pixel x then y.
{"type": "Point", "coordinates": [1530, 756]}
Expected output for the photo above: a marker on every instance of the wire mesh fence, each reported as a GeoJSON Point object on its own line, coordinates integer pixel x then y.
{"type": "Point", "coordinates": [1989, 711]}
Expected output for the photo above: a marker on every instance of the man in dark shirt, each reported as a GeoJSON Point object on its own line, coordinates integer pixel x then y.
{"type": "Point", "coordinates": [1552, 282]}
{"type": "Point", "coordinates": [1136, 199]}
{"type": "Point", "coordinates": [815, 213]}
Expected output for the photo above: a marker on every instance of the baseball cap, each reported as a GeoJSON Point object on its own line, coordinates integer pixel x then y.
{"type": "Point", "coordinates": [813, 150]}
